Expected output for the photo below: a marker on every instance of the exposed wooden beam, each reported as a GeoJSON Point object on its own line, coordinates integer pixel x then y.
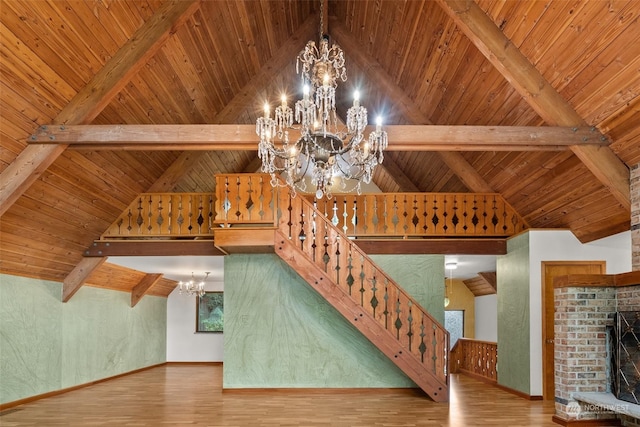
{"type": "Point", "coordinates": [143, 287]}
{"type": "Point", "coordinates": [434, 246]}
{"type": "Point", "coordinates": [24, 171]}
{"type": "Point", "coordinates": [535, 89]}
{"type": "Point", "coordinates": [79, 275]}
{"type": "Point", "coordinates": [490, 278]}
{"type": "Point", "coordinates": [127, 61]}
{"type": "Point", "coordinates": [91, 99]}
{"type": "Point", "coordinates": [405, 105]}
{"type": "Point", "coordinates": [609, 169]}
{"type": "Point", "coordinates": [151, 248]}
{"type": "Point", "coordinates": [243, 137]}
{"type": "Point", "coordinates": [229, 114]}
{"type": "Point", "coordinates": [479, 286]}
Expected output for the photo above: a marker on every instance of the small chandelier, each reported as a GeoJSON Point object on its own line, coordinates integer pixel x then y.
{"type": "Point", "coordinates": [325, 149]}
{"type": "Point", "coordinates": [191, 287]}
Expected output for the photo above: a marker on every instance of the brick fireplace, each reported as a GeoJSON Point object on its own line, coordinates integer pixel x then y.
{"type": "Point", "coordinates": [585, 305]}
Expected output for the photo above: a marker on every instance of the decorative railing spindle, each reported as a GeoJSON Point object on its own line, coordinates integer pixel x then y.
{"type": "Point", "coordinates": [476, 358]}
{"type": "Point", "coordinates": [165, 215]}
{"type": "Point", "coordinates": [245, 199]}
{"type": "Point", "coordinates": [423, 215]}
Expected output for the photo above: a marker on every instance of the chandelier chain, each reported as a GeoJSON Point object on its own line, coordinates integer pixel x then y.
{"type": "Point", "coordinates": [321, 32]}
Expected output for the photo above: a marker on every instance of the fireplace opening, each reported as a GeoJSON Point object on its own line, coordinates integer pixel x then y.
{"type": "Point", "coordinates": [624, 349]}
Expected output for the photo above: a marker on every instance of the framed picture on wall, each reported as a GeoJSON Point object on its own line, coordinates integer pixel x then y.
{"type": "Point", "coordinates": [210, 312]}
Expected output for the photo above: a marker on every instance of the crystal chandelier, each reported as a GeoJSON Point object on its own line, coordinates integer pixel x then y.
{"type": "Point", "coordinates": [325, 149]}
{"type": "Point", "coordinates": [191, 287]}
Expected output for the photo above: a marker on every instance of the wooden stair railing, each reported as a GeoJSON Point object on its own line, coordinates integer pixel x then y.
{"type": "Point", "coordinates": [336, 268]}
{"type": "Point", "coordinates": [475, 358]}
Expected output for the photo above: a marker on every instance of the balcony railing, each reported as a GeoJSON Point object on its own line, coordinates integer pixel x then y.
{"type": "Point", "coordinates": [475, 358]}
{"type": "Point", "coordinates": [249, 199]}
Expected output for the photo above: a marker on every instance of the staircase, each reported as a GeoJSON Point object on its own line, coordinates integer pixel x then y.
{"type": "Point", "coordinates": [339, 271]}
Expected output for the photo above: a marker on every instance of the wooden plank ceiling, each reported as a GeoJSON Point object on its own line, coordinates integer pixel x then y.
{"type": "Point", "coordinates": [216, 62]}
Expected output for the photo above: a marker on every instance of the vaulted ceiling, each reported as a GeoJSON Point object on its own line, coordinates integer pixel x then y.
{"type": "Point", "coordinates": [486, 68]}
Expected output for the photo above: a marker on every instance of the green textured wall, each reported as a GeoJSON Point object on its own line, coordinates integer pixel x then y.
{"type": "Point", "coordinates": [513, 315]}
{"type": "Point", "coordinates": [46, 345]}
{"type": "Point", "coordinates": [422, 276]}
{"type": "Point", "coordinates": [280, 333]}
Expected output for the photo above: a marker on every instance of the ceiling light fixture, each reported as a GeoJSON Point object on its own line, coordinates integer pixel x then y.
{"type": "Point", "coordinates": [191, 287]}
{"type": "Point", "coordinates": [325, 149]}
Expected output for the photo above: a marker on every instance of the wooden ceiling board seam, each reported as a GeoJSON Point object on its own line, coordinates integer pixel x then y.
{"type": "Point", "coordinates": [58, 185]}
{"type": "Point", "coordinates": [618, 53]}
{"type": "Point", "coordinates": [244, 31]}
{"type": "Point", "coordinates": [447, 105]}
{"type": "Point", "coordinates": [97, 42]}
{"type": "Point", "coordinates": [14, 123]}
{"type": "Point", "coordinates": [66, 170]}
{"type": "Point", "coordinates": [235, 53]}
{"type": "Point", "coordinates": [34, 34]}
{"type": "Point", "coordinates": [528, 175]}
{"type": "Point", "coordinates": [557, 207]}
{"type": "Point", "coordinates": [102, 21]}
{"type": "Point", "coordinates": [37, 255]}
{"type": "Point", "coordinates": [509, 168]}
{"type": "Point", "coordinates": [450, 104]}
{"type": "Point", "coordinates": [108, 174]}
{"type": "Point", "coordinates": [22, 62]}
{"type": "Point", "coordinates": [518, 112]}
{"type": "Point", "coordinates": [36, 267]}
{"type": "Point", "coordinates": [207, 90]}
{"type": "Point", "coordinates": [389, 36]}
{"type": "Point", "coordinates": [26, 270]}
{"type": "Point", "coordinates": [480, 104]}
{"type": "Point", "coordinates": [32, 234]}
{"type": "Point", "coordinates": [65, 223]}
{"type": "Point", "coordinates": [214, 70]}
{"type": "Point", "coordinates": [545, 179]}
{"type": "Point", "coordinates": [579, 217]}
{"type": "Point", "coordinates": [568, 58]}
{"type": "Point", "coordinates": [441, 75]}
{"type": "Point", "coordinates": [170, 100]}
{"type": "Point", "coordinates": [557, 17]}
{"type": "Point", "coordinates": [44, 194]}
{"type": "Point", "coordinates": [622, 122]}
{"type": "Point", "coordinates": [180, 59]}
{"type": "Point", "coordinates": [603, 97]}
{"type": "Point", "coordinates": [40, 224]}
{"type": "Point", "coordinates": [564, 42]}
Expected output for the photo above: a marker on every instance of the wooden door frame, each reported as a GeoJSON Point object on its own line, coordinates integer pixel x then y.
{"type": "Point", "coordinates": [543, 264]}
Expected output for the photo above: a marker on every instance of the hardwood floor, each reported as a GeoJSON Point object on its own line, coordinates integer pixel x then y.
{"type": "Point", "coordinates": [191, 395]}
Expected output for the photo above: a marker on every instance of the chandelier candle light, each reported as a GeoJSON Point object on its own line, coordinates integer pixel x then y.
{"type": "Point", "coordinates": [191, 287]}
{"type": "Point", "coordinates": [325, 150]}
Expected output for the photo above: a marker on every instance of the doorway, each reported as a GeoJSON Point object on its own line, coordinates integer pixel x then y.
{"type": "Point", "coordinates": [454, 323]}
{"type": "Point", "coordinates": [550, 270]}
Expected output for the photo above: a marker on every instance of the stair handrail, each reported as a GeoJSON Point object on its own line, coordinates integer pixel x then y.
{"type": "Point", "coordinates": [426, 327]}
